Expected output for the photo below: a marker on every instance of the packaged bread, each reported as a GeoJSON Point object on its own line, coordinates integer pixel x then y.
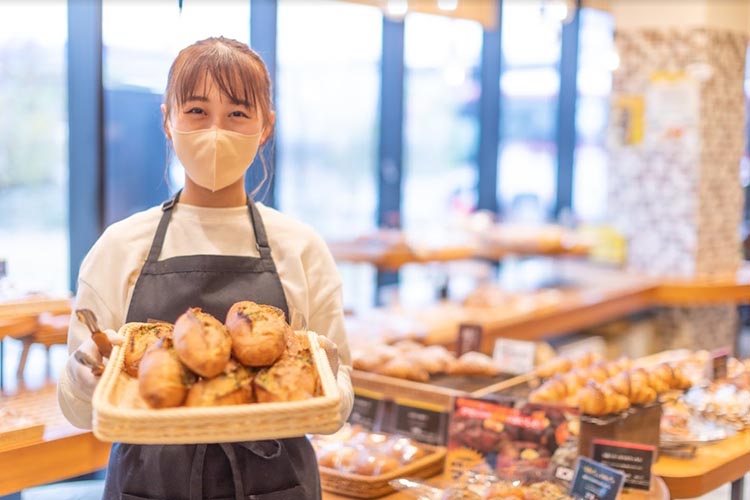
{"type": "Point", "coordinates": [202, 342]}
{"type": "Point", "coordinates": [259, 333]}
{"type": "Point", "coordinates": [162, 379]}
{"type": "Point", "coordinates": [141, 338]}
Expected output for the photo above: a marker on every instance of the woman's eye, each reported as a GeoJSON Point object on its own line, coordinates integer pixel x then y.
{"type": "Point", "coordinates": [240, 114]}
{"type": "Point", "coordinates": [194, 111]}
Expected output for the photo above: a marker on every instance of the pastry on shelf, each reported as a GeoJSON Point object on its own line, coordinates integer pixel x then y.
{"type": "Point", "coordinates": [634, 385]}
{"type": "Point", "coordinates": [475, 363]}
{"type": "Point", "coordinates": [599, 400]}
{"type": "Point", "coordinates": [402, 367]}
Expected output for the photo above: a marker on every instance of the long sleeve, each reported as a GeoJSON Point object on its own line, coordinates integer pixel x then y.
{"type": "Point", "coordinates": [328, 319]}
{"type": "Point", "coordinates": [75, 404]}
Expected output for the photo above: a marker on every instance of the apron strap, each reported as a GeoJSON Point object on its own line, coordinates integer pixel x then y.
{"type": "Point", "coordinates": [161, 230]}
{"type": "Point", "coordinates": [261, 240]}
{"type": "Point", "coordinates": [259, 229]}
{"type": "Point", "coordinates": [196, 471]}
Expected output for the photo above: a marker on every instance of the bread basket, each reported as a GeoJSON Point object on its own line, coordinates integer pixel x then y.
{"type": "Point", "coordinates": [121, 415]}
{"type": "Point", "coordinates": [360, 486]}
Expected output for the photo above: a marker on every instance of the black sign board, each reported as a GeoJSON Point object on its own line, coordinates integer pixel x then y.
{"type": "Point", "coordinates": [633, 460]}
{"type": "Point", "coordinates": [420, 422]}
{"type": "Point", "coordinates": [368, 410]}
{"type": "Point", "coordinates": [595, 481]}
{"type": "Point", "coordinates": [469, 338]}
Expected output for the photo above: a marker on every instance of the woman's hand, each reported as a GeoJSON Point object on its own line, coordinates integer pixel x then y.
{"type": "Point", "coordinates": [332, 352]}
{"type": "Point", "coordinates": [86, 363]}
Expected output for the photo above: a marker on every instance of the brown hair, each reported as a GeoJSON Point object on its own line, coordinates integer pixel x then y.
{"type": "Point", "coordinates": [235, 68]}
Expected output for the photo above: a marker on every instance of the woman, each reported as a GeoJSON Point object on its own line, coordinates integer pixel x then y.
{"type": "Point", "coordinates": [209, 247]}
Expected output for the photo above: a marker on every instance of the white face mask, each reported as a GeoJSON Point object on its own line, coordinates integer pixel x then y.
{"type": "Point", "coordinates": [213, 157]}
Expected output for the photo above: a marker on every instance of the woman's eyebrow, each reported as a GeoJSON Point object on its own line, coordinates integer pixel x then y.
{"type": "Point", "coordinates": [239, 102]}
{"type": "Point", "coordinates": [200, 98]}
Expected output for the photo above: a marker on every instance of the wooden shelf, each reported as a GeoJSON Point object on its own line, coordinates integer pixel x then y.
{"type": "Point", "coordinates": [63, 452]}
{"type": "Point", "coordinates": [713, 466]}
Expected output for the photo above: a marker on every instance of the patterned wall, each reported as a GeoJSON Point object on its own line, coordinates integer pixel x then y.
{"type": "Point", "coordinates": [677, 136]}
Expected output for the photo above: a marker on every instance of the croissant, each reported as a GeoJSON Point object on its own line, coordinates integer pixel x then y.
{"type": "Point", "coordinates": [598, 372]}
{"type": "Point", "coordinates": [598, 400]}
{"type": "Point", "coordinates": [634, 386]}
{"type": "Point", "coordinates": [587, 360]}
{"type": "Point", "coordinates": [680, 381]}
{"type": "Point", "coordinates": [618, 366]}
{"type": "Point", "coordinates": [553, 366]}
{"type": "Point", "coordinates": [657, 380]}
{"type": "Point", "coordinates": [553, 390]}
{"type": "Point", "coordinates": [673, 376]}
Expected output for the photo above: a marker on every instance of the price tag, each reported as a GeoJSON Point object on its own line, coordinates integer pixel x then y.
{"type": "Point", "coordinates": [515, 356]}
{"type": "Point", "coordinates": [719, 361]}
{"type": "Point", "coordinates": [469, 338]}
{"type": "Point", "coordinates": [422, 422]}
{"type": "Point", "coordinates": [595, 481]}
{"type": "Point", "coordinates": [368, 409]}
{"type": "Point", "coordinates": [633, 460]}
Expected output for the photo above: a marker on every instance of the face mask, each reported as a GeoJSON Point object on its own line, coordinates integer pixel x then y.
{"type": "Point", "coordinates": [214, 158]}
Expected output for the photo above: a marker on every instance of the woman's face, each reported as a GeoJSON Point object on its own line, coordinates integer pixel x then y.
{"type": "Point", "coordinates": [210, 108]}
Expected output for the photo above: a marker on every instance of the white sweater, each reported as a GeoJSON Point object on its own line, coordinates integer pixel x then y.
{"type": "Point", "coordinates": [309, 277]}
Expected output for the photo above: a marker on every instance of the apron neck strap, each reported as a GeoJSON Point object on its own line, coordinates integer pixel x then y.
{"type": "Point", "coordinates": [261, 239]}
{"type": "Point", "coordinates": [161, 230]}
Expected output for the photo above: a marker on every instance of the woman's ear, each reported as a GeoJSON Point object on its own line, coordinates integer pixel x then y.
{"type": "Point", "coordinates": [165, 122]}
{"type": "Point", "coordinates": [268, 128]}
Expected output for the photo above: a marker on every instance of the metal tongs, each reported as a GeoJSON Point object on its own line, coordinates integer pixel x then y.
{"type": "Point", "coordinates": [88, 318]}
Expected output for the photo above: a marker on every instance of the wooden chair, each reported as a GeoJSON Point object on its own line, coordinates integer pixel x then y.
{"type": "Point", "coordinates": [51, 330]}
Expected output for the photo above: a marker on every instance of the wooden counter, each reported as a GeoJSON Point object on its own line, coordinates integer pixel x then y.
{"type": "Point", "coordinates": [713, 466]}
{"type": "Point", "coordinates": [36, 305]}
{"type": "Point", "coordinates": [659, 492]}
{"type": "Point", "coordinates": [62, 453]}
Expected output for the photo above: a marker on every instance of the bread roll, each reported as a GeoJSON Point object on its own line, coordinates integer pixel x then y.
{"type": "Point", "coordinates": [202, 342]}
{"type": "Point", "coordinates": [141, 338]}
{"type": "Point", "coordinates": [162, 379]}
{"type": "Point", "coordinates": [292, 378]}
{"type": "Point", "coordinates": [259, 333]}
{"type": "Point", "coordinates": [403, 367]}
{"type": "Point", "coordinates": [233, 387]}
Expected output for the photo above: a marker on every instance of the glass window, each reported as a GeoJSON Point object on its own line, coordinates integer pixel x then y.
{"type": "Point", "coordinates": [441, 132]}
{"type": "Point", "coordinates": [442, 89]}
{"type": "Point", "coordinates": [529, 87]}
{"type": "Point", "coordinates": [33, 148]}
{"type": "Point", "coordinates": [328, 86]}
{"type": "Point", "coordinates": [135, 76]}
{"type": "Point", "coordinates": [597, 60]}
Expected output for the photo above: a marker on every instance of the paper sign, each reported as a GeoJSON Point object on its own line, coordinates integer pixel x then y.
{"type": "Point", "coordinates": [633, 460]}
{"type": "Point", "coordinates": [595, 481]}
{"type": "Point", "coordinates": [469, 338]}
{"type": "Point", "coordinates": [719, 361]}
{"type": "Point", "coordinates": [368, 409]}
{"type": "Point", "coordinates": [422, 422]}
{"type": "Point", "coordinates": [514, 356]}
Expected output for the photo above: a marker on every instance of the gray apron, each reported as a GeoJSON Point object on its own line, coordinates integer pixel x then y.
{"type": "Point", "coordinates": [283, 469]}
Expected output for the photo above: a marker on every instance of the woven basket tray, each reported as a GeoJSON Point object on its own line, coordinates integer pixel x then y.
{"type": "Point", "coordinates": [359, 486]}
{"type": "Point", "coordinates": [121, 415]}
